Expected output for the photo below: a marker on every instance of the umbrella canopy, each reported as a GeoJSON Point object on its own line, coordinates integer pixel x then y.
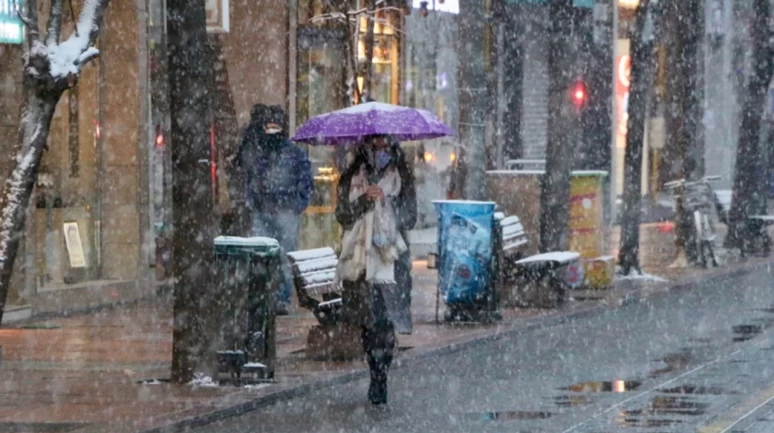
{"type": "Point", "coordinates": [350, 125]}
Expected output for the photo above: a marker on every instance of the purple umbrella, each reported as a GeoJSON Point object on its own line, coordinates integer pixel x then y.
{"type": "Point", "coordinates": [350, 125]}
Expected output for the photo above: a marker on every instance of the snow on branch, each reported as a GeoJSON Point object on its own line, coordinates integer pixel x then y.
{"type": "Point", "coordinates": [31, 20]}
{"type": "Point", "coordinates": [54, 27]}
{"type": "Point", "coordinates": [65, 59]}
{"type": "Point", "coordinates": [352, 16]}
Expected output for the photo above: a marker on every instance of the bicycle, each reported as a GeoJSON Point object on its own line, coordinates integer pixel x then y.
{"type": "Point", "coordinates": [700, 199]}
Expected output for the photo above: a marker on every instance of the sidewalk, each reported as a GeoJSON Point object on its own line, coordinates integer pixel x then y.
{"type": "Point", "coordinates": [81, 373]}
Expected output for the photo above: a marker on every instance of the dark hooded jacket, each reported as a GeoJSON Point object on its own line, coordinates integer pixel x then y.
{"type": "Point", "coordinates": [278, 173]}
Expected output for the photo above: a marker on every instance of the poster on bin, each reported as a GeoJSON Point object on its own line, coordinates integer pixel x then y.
{"type": "Point", "coordinates": [466, 257]}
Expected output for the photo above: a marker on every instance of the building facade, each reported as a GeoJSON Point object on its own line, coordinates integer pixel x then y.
{"type": "Point", "coordinates": [88, 226]}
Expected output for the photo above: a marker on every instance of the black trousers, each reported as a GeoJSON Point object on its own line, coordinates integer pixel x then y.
{"type": "Point", "coordinates": [364, 305]}
{"type": "Point", "coordinates": [379, 334]}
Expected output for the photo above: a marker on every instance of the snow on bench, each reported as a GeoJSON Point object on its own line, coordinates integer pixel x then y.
{"type": "Point", "coordinates": [314, 272]}
{"type": "Point", "coordinates": [306, 255]}
{"type": "Point", "coordinates": [257, 241]}
{"type": "Point", "coordinates": [513, 233]}
{"type": "Point", "coordinates": [559, 257]}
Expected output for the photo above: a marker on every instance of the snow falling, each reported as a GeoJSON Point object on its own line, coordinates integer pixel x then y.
{"type": "Point", "coordinates": [386, 216]}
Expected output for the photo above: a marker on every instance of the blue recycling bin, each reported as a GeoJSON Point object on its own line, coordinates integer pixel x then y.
{"type": "Point", "coordinates": [465, 279]}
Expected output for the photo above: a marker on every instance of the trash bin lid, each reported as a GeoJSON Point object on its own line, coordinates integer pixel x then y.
{"type": "Point", "coordinates": [234, 245]}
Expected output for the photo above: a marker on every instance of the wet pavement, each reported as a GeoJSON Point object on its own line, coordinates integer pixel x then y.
{"type": "Point", "coordinates": [687, 361]}
{"type": "Point", "coordinates": [99, 372]}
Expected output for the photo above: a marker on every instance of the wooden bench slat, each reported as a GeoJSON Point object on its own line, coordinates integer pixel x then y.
{"type": "Point", "coordinates": [516, 235]}
{"type": "Point", "coordinates": [318, 277]}
{"type": "Point", "coordinates": [512, 229]}
{"type": "Point", "coordinates": [510, 221]}
{"type": "Point", "coordinates": [322, 288]}
{"type": "Point", "coordinates": [331, 302]}
{"type": "Point", "coordinates": [516, 244]}
{"type": "Point", "coordinates": [304, 255]}
{"type": "Point", "coordinates": [308, 266]}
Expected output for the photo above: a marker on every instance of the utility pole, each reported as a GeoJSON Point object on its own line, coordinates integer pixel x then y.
{"type": "Point", "coordinates": [192, 200]}
{"type": "Point", "coordinates": [563, 129]}
{"type": "Point", "coordinates": [473, 103]}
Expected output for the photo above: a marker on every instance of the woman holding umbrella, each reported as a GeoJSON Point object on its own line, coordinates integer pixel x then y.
{"type": "Point", "coordinates": [377, 204]}
{"type": "Point", "coordinates": [376, 207]}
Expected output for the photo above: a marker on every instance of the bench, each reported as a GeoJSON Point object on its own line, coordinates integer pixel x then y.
{"type": "Point", "coordinates": [313, 277]}
{"type": "Point", "coordinates": [314, 274]}
{"type": "Point", "coordinates": [541, 279]}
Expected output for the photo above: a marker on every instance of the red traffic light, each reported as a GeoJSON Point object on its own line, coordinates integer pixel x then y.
{"type": "Point", "coordinates": [579, 94]}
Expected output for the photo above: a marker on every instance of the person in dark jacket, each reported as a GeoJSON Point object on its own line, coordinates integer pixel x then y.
{"type": "Point", "coordinates": [279, 181]}
{"type": "Point", "coordinates": [376, 207]}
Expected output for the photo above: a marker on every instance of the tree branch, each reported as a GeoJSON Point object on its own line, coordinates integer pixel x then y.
{"type": "Point", "coordinates": [30, 19]}
{"type": "Point", "coordinates": [54, 27]}
{"type": "Point", "coordinates": [67, 58]}
{"type": "Point", "coordinates": [90, 54]}
{"type": "Point", "coordinates": [90, 21]}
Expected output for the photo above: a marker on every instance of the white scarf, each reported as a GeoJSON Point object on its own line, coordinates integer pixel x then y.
{"type": "Point", "coordinates": [358, 252]}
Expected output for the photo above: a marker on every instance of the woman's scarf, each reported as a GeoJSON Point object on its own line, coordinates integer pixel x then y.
{"type": "Point", "coordinates": [373, 244]}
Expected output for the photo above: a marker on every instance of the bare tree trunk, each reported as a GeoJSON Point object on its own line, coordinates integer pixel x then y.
{"type": "Point", "coordinates": [368, 42]}
{"type": "Point", "coordinates": [48, 72]}
{"type": "Point", "coordinates": [235, 221]}
{"type": "Point", "coordinates": [555, 183]}
{"type": "Point", "coordinates": [749, 159]}
{"type": "Point", "coordinates": [36, 122]}
{"type": "Point", "coordinates": [691, 114]}
{"type": "Point", "coordinates": [471, 162]}
{"type": "Point", "coordinates": [192, 201]}
{"type": "Point", "coordinates": [643, 65]}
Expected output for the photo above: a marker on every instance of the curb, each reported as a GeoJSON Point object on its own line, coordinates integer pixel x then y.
{"type": "Point", "coordinates": [414, 356]}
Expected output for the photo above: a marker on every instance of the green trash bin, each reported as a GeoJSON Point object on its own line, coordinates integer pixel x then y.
{"type": "Point", "coordinates": [247, 275]}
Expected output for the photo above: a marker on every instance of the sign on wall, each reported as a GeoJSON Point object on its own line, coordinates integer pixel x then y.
{"type": "Point", "coordinates": [74, 246]}
{"type": "Point", "coordinates": [217, 15]}
{"type": "Point", "coordinates": [11, 27]}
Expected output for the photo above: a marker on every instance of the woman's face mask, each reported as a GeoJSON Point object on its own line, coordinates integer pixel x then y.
{"type": "Point", "coordinates": [382, 158]}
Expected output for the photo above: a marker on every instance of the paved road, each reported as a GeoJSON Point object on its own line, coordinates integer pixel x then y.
{"type": "Point", "coordinates": [690, 361]}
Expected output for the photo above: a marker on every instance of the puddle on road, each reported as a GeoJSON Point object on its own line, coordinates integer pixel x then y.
{"type": "Point", "coordinates": [668, 405]}
{"type": "Point", "coordinates": [572, 400]}
{"type": "Point", "coordinates": [588, 298]}
{"type": "Point", "coordinates": [604, 386]}
{"type": "Point", "coordinates": [674, 361]}
{"type": "Point", "coordinates": [746, 332]}
{"type": "Point", "coordinates": [510, 416]}
{"type": "Point", "coordinates": [695, 390]}
{"type": "Point", "coordinates": [646, 423]}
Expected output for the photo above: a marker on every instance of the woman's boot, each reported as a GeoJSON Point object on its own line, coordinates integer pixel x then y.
{"type": "Point", "coordinates": [377, 390]}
